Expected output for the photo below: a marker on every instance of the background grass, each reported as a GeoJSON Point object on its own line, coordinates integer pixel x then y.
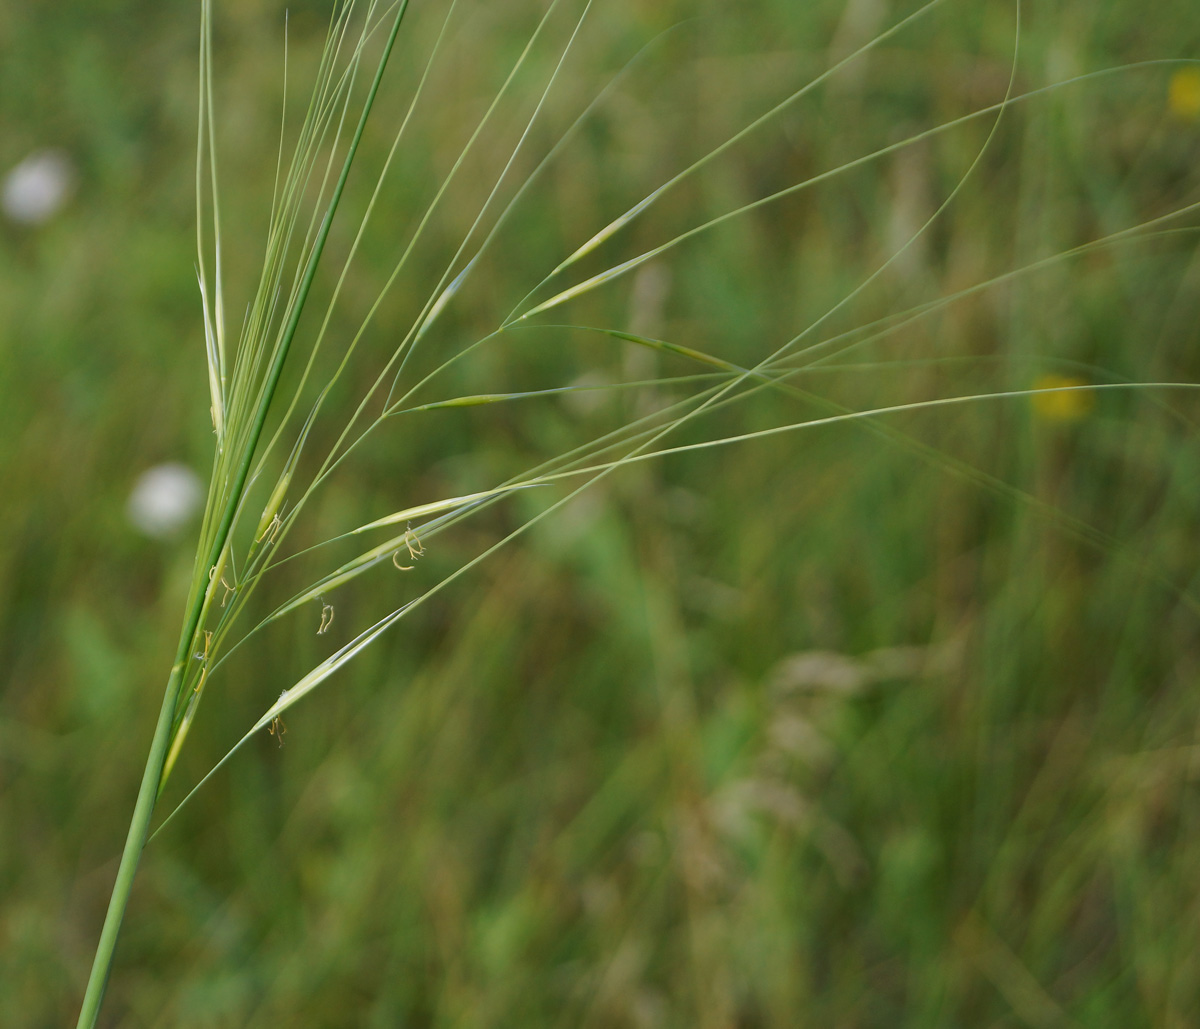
{"type": "Point", "coordinates": [651, 766]}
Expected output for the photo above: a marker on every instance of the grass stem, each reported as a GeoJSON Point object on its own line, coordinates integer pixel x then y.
{"type": "Point", "coordinates": [143, 811]}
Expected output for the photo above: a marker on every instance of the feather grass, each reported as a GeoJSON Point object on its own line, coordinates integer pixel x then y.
{"type": "Point", "coordinates": [241, 544]}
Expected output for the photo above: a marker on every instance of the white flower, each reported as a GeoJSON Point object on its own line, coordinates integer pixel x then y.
{"type": "Point", "coordinates": [164, 498]}
{"type": "Point", "coordinates": [37, 187]}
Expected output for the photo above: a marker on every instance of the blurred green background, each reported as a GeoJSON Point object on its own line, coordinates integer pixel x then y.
{"type": "Point", "coordinates": [884, 724]}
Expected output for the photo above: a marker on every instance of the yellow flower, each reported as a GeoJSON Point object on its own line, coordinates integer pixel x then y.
{"type": "Point", "coordinates": [1069, 405]}
{"type": "Point", "coordinates": [1183, 93]}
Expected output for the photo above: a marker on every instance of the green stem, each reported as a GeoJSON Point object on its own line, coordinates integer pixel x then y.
{"type": "Point", "coordinates": [138, 827]}
{"type": "Point", "coordinates": [143, 810]}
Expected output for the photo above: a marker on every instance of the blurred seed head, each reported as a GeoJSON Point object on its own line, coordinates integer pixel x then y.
{"type": "Point", "coordinates": [647, 303]}
{"type": "Point", "coordinates": [37, 187]}
{"type": "Point", "coordinates": [163, 499]}
{"type": "Point", "coordinates": [823, 671]}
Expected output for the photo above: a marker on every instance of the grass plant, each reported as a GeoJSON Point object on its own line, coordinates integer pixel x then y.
{"type": "Point", "coordinates": [341, 373]}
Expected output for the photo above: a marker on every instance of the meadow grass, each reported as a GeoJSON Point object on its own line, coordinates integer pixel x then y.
{"type": "Point", "coordinates": [629, 805]}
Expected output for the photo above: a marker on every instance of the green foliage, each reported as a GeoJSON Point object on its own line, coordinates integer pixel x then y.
{"type": "Point", "coordinates": [863, 720]}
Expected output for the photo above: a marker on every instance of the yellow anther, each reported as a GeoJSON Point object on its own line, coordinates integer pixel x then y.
{"type": "Point", "coordinates": [412, 544]}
